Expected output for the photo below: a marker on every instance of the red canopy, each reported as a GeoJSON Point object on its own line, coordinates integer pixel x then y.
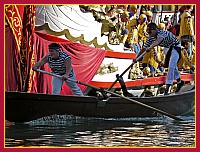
{"type": "Point", "coordinates": [85, 61]}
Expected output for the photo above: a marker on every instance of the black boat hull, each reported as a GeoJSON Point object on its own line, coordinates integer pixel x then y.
{"type": "Point", "coordinates": [22, 107]}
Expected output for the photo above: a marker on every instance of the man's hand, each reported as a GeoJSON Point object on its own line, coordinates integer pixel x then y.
{"type": "Point", "coordinates": [148, 49]}
{"type": "Point", "coordinates": [64, 77]}
{"type": "Point", "coordinates": [141, 51]}
{"type": "Point", "coordinates": [34, 68]}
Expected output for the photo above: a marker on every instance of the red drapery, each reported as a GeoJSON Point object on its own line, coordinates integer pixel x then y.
{"type": "Point", "coordinates": [26, 48]}
{"type": "Point", "coordinates": [14, 16]}
{"type": "Point", "coordinates": [85, 61]}
{"type": "Point", "coordinates": [11, 61]}
{"type": "Point", "coordinates": [19, 46]}
{"type": "Point", "coordinates": [13, 31]}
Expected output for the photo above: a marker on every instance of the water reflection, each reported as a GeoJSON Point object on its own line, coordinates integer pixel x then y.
{"type": "Point", "coordinates": [67, 131]}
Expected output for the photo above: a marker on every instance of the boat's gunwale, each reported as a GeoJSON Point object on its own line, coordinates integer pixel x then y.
{"type": "Point", "coordinates": [26, 95]}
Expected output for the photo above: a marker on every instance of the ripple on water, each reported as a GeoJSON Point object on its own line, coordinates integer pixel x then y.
{"type": "Point", "coordinates": [69, 131]}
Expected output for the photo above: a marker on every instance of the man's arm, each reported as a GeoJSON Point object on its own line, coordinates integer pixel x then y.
{"type": "Point", "coordinates": [151, 46]}
{"type": "Point", "coordinates": [155, 43]}
{"type": "Point", "coordinates": [40, 63]}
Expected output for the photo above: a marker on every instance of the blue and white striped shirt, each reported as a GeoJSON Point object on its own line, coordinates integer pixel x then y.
{"type": "Point", "coordinates": [169, 39]}
{"type": "Point", "coordinates": [58, 66]}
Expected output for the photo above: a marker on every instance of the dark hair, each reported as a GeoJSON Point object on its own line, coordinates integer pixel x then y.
{"type": "Point", "coordinates": [54, 46]}
{"type": "Point", "coordinates": [152, 26]}
{"type": "Point", "coordinates": [188, 6]}
{"type": "Point", "coordinates": [184, 43]}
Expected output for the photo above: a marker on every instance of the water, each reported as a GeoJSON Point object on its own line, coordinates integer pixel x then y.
{"type": "Point", "coordinates": [70, 131]}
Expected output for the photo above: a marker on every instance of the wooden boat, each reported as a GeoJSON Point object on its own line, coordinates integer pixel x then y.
{"type": "Point", "coordinates": [22, 107]}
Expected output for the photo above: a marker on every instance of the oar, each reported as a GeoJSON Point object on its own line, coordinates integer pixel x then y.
{"type": "Point", "coordinates": [137, 59]}
{"type": "Point", "coordinates": [115, 94]}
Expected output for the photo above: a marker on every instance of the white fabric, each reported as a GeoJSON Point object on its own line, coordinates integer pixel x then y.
{"type": "Point", "coordinates": [69, 17]}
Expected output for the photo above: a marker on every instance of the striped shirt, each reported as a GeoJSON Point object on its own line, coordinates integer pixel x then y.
{"type": "Point", "coordinates": [58, 66]}
{"type": "Point", "coordinates": [169, 39]}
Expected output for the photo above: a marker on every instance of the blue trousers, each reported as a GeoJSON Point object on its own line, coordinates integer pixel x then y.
{"type": "Point", "coordinates": [173, 72]}
{"type": "Point", "coordinates": [57, 85]}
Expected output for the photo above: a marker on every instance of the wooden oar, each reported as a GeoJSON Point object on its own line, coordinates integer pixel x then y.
{"type": "Point", "coordinates": [115, 94]}
{"type": "Point", "coordinates": [137, 59]}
